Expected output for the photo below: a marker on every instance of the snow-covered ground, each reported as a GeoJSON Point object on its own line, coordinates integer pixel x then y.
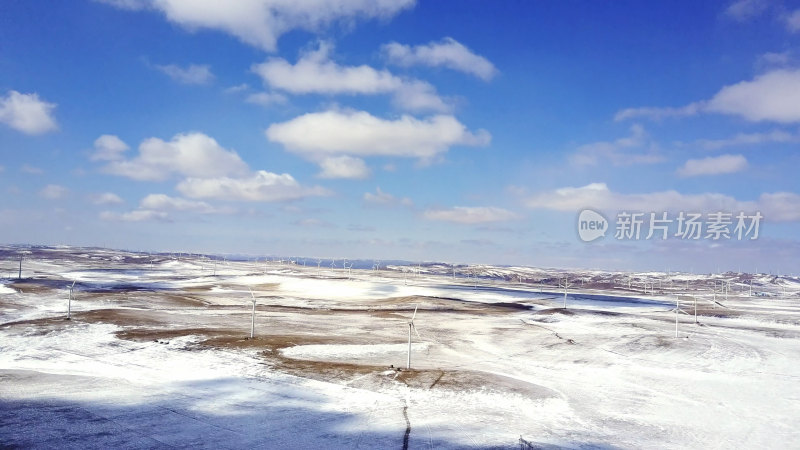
{"type": "Point", "coordinates": [157, 354]}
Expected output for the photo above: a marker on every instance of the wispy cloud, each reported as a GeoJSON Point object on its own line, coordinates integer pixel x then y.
{"type": "Point", "coordinates": [775, 206]}
{"type": "Point", "coordinates": [713, 165]}
{"type": "Point", "coordinates": [742, 139]}
{"type": "Point", "coordinates": [445, 53]}
{"type": "Point", "coordinates": [53, 192]}
{"type": "Point", "coordinates": [379, 197]}
{"type": "Point", "coordinates": [470, 214]}
{"type": "Point", "coordinates": [191, 74]}
{"type": "Point", "coordinates": [261, 186]}
{"type": "Point", "coordinates": [637, 148]}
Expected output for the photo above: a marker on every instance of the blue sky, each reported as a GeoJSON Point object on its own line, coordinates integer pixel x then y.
{"type": "Point", "coordinates": [470, 132]}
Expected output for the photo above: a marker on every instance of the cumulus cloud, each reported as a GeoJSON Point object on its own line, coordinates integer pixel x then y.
{"type": "Point", "coordinates": [191, 74]}
{"type": "Point", "coordinates": [138, 215]}
{"type": "Point", "coordinates": [27, 113]}
{"type": "Point", "coordinates": [713, 165]}
{"type": "Point", "coordinates": [315, 73]}
{"type": "Point", "coordinates": [261, 22]}
{"type": "Point", "coordinates": [106, 198]}
{"type": "Point", "coordinates": [358, 133]}
{"type": "Point", "coordinates": [777, 206]}
{"type": "Point", "coordinates": [261, 186]}
{"type": "Point", "coordinates": [446, 53]}
{"type": "Point", "coordinates": [108, 147]}
{"type": "Point", "coordinates": [470, 214]}
{"type": "Point", "coordinates": [190, 154]}
{"type": "Point", "coordinates": [637, 148]}
{"type": "Point", "coordinates": [53, 192]}
{"type": "Point", "coordinates": [343, 167]}
{"type": "Point", "coordinates": [772, 96]}
{"type": "Point", "coordinates": [385, 199]}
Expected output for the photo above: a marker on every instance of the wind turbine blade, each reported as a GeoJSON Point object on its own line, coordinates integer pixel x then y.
{"type": "Point", "coordinates": [415, 312]}
{"type": "Point", "coordinates": [414, 327]}
{"type": "Point", "coordinates": [73, 284]}
{"type": "Point", "coordinates": [251, 293]}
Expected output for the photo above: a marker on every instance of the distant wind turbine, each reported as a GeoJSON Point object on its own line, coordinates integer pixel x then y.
{"type": "Point", "coordinates": [69, 301]}
{"type": "Point", "coordinates": [410, 327]}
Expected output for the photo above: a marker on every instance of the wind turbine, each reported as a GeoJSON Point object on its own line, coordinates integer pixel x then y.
{"type": "Point", "coordinates": [319, 261]}
{"type": "Point", "coordinates": [253, 317]}
{"type": "Point", "coordinates": [69, 301]}
{"type": "Point", "coordinates": [349, 272]}
{"type": "Point", "coordinates": [410, 327]}
{"type": "Point", "coordinates": [566, 287]}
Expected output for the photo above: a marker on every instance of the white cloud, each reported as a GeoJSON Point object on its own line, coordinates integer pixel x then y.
{"type": "Point", "coordinates": [656, 113]}
{"type": "Point", "coordinates": [138, 215]}
{"type": "Point", "coordinates": [385, 199]}
{"type": "Point", "coordinates": [470, 214]}
{"type": "Point", "coordinates": [106, 198]}
{"type": "Point", "coordinates": [132, 5]}
{"type": "Point", "coordinates": [637, 148]}
{"type": "Point", "coordinates": [777, 206]}
{"type": "Point", "coordinates": [315, 73]}
{"type": "Point", "coordinates": [266, 98]}
{"type": "Point", "coordinates": [744, 10]}
{"type": "Point", "coordinates": [748, 139]}
{"type": "Point", "coordinates": [53, 192]}
{"type": "Point", "coordinates": [31, 170]}
{"type": "Point", "coordinates": [162, 202]}
{"type": "Point", "coordinates": [343, 167]}
{"type": "Point", "coordinates": [261, 22]}
{"type": "Point", "coordinates": [191, 74]}
{"type": "Point", "coordinates": [27, 113]}
{"type": "Point", "coordinates": [773, 96]}
{"type": "Point", "coordinates": [261, 186]}
{"type": "Point", "coordinates": [108, 148]}
{"type": "Point", "coordinates": [775, 59]}
{"type": "Point", "coordinates": [713, 165]}
{"type": "Point", "coordinates": [191, 154]}
{"type": "Point", "coordinates": [446, 53]}
{"type": "Point", "coordinates": [237, 88]}
{"type": "Point", "coordinates": [320, 135]}
{"type": "Point", "coordinates": [793, 21]}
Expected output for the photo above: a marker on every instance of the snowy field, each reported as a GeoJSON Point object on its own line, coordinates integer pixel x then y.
{"type": "Point", "coordinates": [157, 353]}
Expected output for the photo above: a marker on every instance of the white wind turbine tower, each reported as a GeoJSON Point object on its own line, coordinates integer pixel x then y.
{"type": "Point", "coordinates": [348, 267]}
{"type": "Point", "coordinates": [410, 327]}
{"type": "Point", "coordinates": [319, 261]}
{"type": "Point", "coordinates": [566, 287]}
{"type": "Point", "coordinates": [253, 316]}
{"type": "Point", "coordinates": [69, 301]}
